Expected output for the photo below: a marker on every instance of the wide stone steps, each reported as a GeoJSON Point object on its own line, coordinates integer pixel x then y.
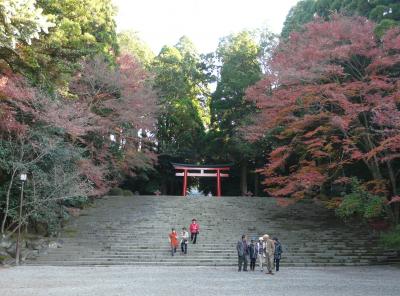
{"type": "Point", "coordinates": [133, 230]}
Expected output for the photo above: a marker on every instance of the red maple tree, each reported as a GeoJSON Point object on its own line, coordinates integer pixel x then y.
{"type": "Point", "coordinates": [331, 100]}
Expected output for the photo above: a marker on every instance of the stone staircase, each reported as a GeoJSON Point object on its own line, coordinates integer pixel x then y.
{"type": "Point", "coordinates": [134, 231]}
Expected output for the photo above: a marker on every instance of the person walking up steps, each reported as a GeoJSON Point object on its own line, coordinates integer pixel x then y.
{"type": "Point", "coordinates": [173, 240]}
{"type": "Point", "coordinates": [269, 253]}
{"type": "Point", "coordinates": [194, 231]}
{"type": "Point", "coordinates": [278, 253]}
{"type": "Point", "coordinates": [253, 255]}
{"type": "Point", "coordinates": [243, 251]}
{"type": "Point", "coordinates": [260, 253]}
{"type": "Point", "coordinates": [184, 240]}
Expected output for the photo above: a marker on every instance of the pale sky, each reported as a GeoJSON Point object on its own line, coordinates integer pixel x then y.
{"type": "Point", "coordinates": [163, 22]}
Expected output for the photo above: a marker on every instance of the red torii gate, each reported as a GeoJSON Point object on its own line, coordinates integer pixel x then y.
{"type": "Point", "coordinates": [192, 170]}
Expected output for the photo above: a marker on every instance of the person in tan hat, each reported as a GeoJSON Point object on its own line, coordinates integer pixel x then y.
{"type": "Point", "coordinates": [269, 252]}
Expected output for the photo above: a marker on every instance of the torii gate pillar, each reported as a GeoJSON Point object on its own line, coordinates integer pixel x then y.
{"type": "Point", "coordinates": [184, 182]}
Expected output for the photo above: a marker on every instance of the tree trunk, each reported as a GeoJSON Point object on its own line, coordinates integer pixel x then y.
{"type": "Point", "coordinates": [392, 179]}
{"type": "Point", "coordinates": [396, 213]}
{"type": "Point", "coordinates": [256, 184]}
{"type": "Point", "coordinates": [7, 206]}
{"type": "Point", "coordinates": [164, 187]}
{"type": "Point", "coordinates": [243, 178]}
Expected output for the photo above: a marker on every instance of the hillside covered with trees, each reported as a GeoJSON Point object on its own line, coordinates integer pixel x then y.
{"type": "Point", "coordinates": [311, 114]}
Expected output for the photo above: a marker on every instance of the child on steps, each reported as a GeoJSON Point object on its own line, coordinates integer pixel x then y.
{"type": "Point", "coordinates": [173, 240]}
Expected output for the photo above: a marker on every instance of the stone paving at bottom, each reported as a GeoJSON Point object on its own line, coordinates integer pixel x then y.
{"type": "Point", "coordinates": [153, 280]}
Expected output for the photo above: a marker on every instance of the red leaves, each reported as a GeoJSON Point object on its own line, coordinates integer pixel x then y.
{"type": "Point", "coordinates": [121, 103]}
{"type": "Point", "coordinates": [330, 91]}
{"type": "Point", "coordinates": [389, 149]}
{"type": "Point", "coordinates": [107, 100]}
{"type": "Point", "coordinates": [96, 175]}
{"type": "Point", "coordinates": [342, 180]}
{"type": "Point", "coordinates": [314, 54]}
{"type": "Point", "coordinates": [391, 40]}
{"type": "Point", "coordinates": [74, 117]}
{"type": "Point", "coordinates": [300, 182]}
{"type": "Point", "coordinates": [124, 90]}
{"type": "Point", "coordinates": [13, 86]}
{"type": "Point", "coordinates": [394, 199]}
{"type": "Point", "coordinates": [284, 202]}
{"type": "Point", "coordinates": [15, 96]}
{"type": "Point", "coordinates": [278, 157]}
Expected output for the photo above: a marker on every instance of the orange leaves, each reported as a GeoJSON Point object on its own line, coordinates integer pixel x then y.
{"type": "Point", "coordinates": [333, 203]}
{"type": "Point", "coordinates": [377, 187]}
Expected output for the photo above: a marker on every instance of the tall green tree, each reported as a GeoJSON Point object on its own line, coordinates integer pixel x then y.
{"type": "Point", "coordinates": [386, 13]}
{"type": "Point", "coordinates": [238, 56]}
{"type": "Point", "coordinates": [130, 42]}
{"type": "Point", "coordinates": [79, 29]}
{"type": "Point", "coordinates": [182, 83]}
{"type": "Point", "coordinates": [20, 23]}
{"type": "Point", "coordinates": [298, 15]}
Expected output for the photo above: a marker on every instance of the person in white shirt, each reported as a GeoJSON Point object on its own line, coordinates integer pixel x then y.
{"type": "Point", "coordinates": [260, 253]}
{"type": "Point", "coordinates": [184, 240]}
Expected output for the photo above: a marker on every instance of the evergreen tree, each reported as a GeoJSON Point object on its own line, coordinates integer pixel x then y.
{"type": "Point", "coordinates": [238, 55]}
{"type": "Point", "coordinates": [386, 13]}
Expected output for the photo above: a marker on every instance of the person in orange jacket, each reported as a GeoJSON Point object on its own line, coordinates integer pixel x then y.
{"type": "Point", "coordinates": [194, 230]}
{"type": "Point", "coordinates": [173, 240]}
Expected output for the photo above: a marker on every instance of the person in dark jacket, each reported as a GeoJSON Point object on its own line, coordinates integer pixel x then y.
{"type": "Point", "coordinates": [253, 255]}
{"type": "Point", "coordinates": [278, 253]}
{"type": "Point", "coordinates": [243, 251]}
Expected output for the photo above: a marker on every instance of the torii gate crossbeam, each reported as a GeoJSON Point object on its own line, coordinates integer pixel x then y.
{"type": "Point", "coordinates": [190, 170]}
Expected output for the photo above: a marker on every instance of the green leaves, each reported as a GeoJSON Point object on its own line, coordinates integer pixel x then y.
{"type": "Point", "coordinates": [76, 29]}
{"type": "Point", "coordinates": [238, 55]}
{"type": "Point", "coordinates": [129, 42]}
{"type": "Point", "coordinates": [182, 83]}
{"type": "Point", "coordinates": [21, 21]}
{"type": "Point", "coordinates": [392, 239]}
{"type": "Point", "coordinates": [386, 13]}
{"type": "Point", "coordinates": [360, 203]}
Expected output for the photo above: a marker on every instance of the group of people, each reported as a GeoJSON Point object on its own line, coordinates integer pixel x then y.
{"type": "Point", "coordinates": [267, 251]}
{"type": "Point", "coordinates": [183, 237]}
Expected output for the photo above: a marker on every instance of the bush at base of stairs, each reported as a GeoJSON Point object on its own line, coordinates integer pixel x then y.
{"type": "Point", "coordinates": [116, 191]}
{"type": "Point", "coordinates": [127, 193]}
{"type": "Point", "coordinates": [392, 239]}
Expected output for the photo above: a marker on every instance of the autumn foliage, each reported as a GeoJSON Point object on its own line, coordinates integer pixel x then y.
{"type": "Point", "coordinates": [331, 103]}
{"type": "Point", "coordinates": [65, 143]}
